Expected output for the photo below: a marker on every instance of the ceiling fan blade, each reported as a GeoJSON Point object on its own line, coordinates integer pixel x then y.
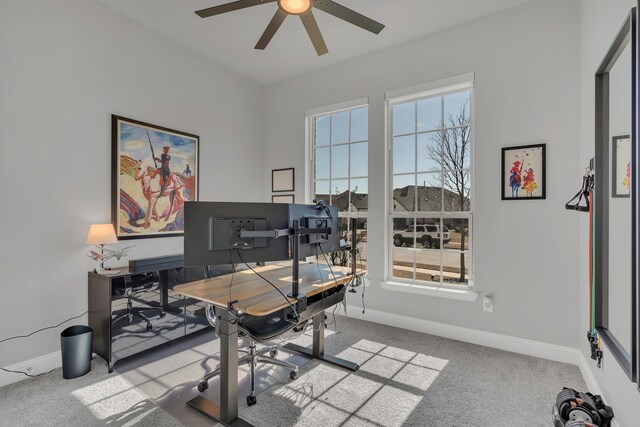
{"type": "Point", "coordinates": [271, 29]}
{"type": "Point", "coordinates": [230, 7]}
{"type": "Point", "coordinates": [311, 26]}
{"type": "Point", "coordinates": [348, 15]}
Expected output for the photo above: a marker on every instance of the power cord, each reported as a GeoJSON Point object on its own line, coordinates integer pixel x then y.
{"type": "Point", "coordinates": [32, 333]}
{"type": "Point", "coordinates": [233, 272]}
{"type": "Point", "coordinates": [24, 373]}
{"type": "Point", "coordinates": [364, 285]}
{"type": "Point", "coordinates": [321, 283]}
{"type": "Point", "coordinates": [269, 282]}
{"type": "Point", "coordinates": [43, 329]}
{"type": "Point", "coordinates": [335, 280]}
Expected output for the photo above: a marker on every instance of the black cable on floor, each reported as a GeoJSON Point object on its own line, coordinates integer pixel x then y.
{"type": "Point", "coordinates": [32, 333]}
{"type": "Point", "coordinates": [24, 373]}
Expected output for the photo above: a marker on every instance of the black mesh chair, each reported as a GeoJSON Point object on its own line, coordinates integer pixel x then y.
{"type": "Point", "coordinates": [257, 330]}
{"type": "Point", "coordinates": [132, 287]}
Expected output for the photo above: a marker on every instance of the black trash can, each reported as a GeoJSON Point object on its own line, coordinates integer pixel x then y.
{"type": "Point", "coordinates": [75, 344]}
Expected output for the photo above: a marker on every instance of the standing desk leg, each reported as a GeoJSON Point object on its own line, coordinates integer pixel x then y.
{"type": "Point", "coordinates": [317, 352]}
{"type": "Point", "coordinates": [227, 412]}
{"type": "Point", "coordinates": [164, 288]}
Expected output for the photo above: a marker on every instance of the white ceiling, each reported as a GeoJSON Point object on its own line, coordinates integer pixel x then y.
{"type": "Point", "coordinates": [228, 39]}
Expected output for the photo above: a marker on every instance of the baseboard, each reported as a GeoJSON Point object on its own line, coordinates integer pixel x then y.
{"type": "Point", "coordinates": [587, 374]}
{"type": "Point", "coordinates": [542, 350]}
{"type": "Point", "coordinates": [590, 379]}
{"type": "Point", "coordinates": [528, 347]}
{"type": "Point", "coordinates": [35, 366]}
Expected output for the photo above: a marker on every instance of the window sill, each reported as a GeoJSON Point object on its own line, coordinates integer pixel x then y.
{"type": "Point", "coordinates": [433, 291]}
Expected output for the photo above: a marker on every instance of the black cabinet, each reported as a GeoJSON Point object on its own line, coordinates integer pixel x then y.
{"type": "Point", "coordinates": [136, 309]}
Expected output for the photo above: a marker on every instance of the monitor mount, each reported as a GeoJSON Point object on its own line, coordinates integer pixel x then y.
{"type": "Point", "coordinates": [296, 232]}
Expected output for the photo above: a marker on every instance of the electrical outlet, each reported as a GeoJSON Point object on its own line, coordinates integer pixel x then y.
{"type": "Point", "coordinates": [488, 304]}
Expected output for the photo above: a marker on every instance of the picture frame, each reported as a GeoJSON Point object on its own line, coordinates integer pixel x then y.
{"type": "Point", "coordinates": [621, 176]}
{"type": "Point", "coordinates": [283, 180]}
{"type": "Point", "coordinates": [154, 171]}
{"type": "Point", "coordinates": [524, 172]}
{"type": "Point", "coordinates": [283, 198]}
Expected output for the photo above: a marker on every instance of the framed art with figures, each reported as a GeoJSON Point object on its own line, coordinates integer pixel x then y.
{"type": "Point", "coordinates": [524, 172]}
{"type": "Point", "coordinates": [621, 166]}
{"type": "Point", "coordinates": [154, 172]}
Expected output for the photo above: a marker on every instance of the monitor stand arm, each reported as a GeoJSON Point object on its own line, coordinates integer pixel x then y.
{"type": "Point", "coordinates": [296, 232]}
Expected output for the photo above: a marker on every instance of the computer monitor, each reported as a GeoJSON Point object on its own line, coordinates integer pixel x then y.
{"type": "Point", "coordinates": [211, 232]}
{"type": "Point", "coordinates": [216, 231]}
{"type": "Point", "coordinates": [319, 216]}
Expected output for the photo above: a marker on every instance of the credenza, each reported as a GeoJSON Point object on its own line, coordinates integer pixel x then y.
{"type": "Point", "coordinates": [146, 287]}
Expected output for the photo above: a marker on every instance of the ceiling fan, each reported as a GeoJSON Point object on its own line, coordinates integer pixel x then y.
{"type": "Point", "coordinates": [302, 8]}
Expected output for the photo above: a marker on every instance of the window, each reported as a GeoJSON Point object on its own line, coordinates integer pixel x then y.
{"type": "Point", "coordinates": [340, 167]}
{"type": "Point", "coordinates": [430, 204]}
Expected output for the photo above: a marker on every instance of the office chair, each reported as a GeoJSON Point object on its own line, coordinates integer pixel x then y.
{"type": "Point", "coordinates": [256, 329]}
{"type": "Point", "coordinates": [135, 285]}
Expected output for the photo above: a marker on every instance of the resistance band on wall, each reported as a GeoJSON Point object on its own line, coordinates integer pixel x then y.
{"type": "Point", "coordinates": [594, 339]}
{"type": "Point", "coordinates": [587, 194]}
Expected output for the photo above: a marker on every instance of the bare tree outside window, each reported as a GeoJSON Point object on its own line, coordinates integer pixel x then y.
{"type": "Point", "coordinates": [451, 151]}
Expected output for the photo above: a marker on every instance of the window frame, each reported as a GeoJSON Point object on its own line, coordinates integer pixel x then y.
{"type": "Point", "coordinates": [414, 94]}
{"type": "Point", "coordinates": [310, 148]}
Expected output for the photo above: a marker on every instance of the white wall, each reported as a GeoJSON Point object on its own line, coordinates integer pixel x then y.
{"type": "Point", "coordinates": [526, 67]}
{"type": "Point", "coordinates": [65, 67]}
{"type": "Point", "coordinates": [599, 23]}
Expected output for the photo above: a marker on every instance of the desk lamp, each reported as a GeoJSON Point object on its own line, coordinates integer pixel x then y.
{"type": "Point", "coordinates": [100, 235]}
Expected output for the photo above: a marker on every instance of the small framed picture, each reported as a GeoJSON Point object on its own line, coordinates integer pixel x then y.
{"type": "Point", "coordinates": [524, 172]}
{"type": "Point", "coordinates": [283, 180]}
{"type": "Point", "coordinates": [283, 198]}
{"type": "Point", "coordinates": [621, 166]}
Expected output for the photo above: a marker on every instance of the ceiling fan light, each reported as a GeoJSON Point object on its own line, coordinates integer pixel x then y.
{"type": "Point", "coordinates": [295, 7]}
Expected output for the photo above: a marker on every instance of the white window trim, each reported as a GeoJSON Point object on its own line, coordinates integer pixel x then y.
{"type": "Point", "coordinates": [432, 290]}
{"type": "Point", "coordinates": [434, 88]}
{"type": "Point", "coordinates": [450, 84]}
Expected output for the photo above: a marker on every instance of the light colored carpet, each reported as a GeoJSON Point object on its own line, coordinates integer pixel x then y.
{"type": "Point", "coordinates": [412, 379]}
{"type": "Point", "coordinates": [406, 379]}
{"type": "Point", "coordinates": [95, 399]}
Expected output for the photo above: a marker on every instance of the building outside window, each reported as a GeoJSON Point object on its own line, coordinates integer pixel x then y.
{"type": "Point", "coordinates": [339, 144]}
{"type": "Point", "coordinates": [430, 204]}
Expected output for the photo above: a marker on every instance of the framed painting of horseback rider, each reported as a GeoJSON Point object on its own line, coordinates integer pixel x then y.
{"type": "Point", "coordinates": [524, 172]}
{"type": "Point", "coordinates": [154, 172]}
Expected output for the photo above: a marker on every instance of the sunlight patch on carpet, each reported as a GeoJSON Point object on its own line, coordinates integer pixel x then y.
{"type": "Point", "coordinates": [114, 400]}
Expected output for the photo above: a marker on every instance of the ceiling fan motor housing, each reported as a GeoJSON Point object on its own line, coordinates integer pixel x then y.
{"type": "Point", "coordinates": [295, 7]}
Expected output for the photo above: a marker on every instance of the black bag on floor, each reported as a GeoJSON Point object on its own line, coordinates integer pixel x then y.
{"type": "Point", "coordinates": [576, 409]}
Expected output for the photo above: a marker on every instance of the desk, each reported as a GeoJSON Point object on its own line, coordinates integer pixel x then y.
{"type": "Point", "coordinates": [258, 298]}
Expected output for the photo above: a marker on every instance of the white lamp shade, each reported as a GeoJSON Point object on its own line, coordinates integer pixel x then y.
{"type": "Point", "coordinates": [101, 234]}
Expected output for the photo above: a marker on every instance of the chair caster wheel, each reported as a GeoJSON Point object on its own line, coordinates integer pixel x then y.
{"type": "Point", "coordinates": [273, 353]}
{"type": "Point", "coordinates": [162, 314]}
{"type": "Point", "coordinates": [202, 386]}
{"type": "Point", "coordinates": [251, 400]}
{"type": "Point", "coordinates": [149, 326]}
{"type": "Point", "coordinates": [293, 375]}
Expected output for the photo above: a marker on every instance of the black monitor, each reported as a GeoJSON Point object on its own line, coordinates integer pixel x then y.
{"type": "Point", "coordinates": [310, 217]}
{"type": "Point", "coordinates": [211, 232]}
{"type": "Point", "coordinates": [215, 231]}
